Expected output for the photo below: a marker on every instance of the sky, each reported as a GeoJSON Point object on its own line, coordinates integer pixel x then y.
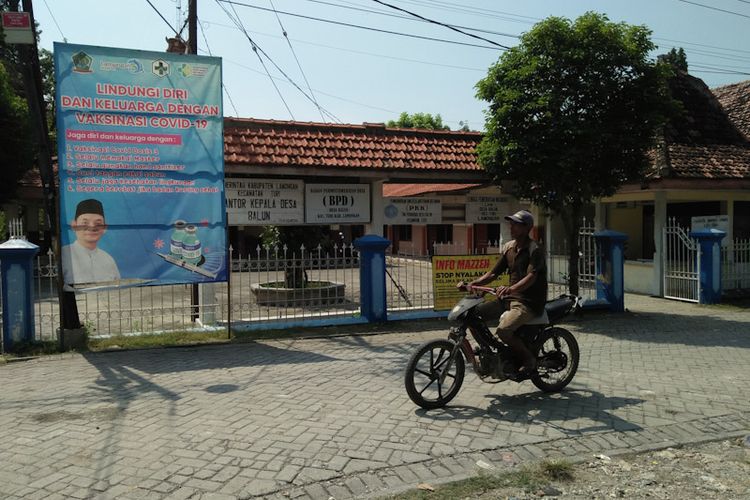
{"type": "Point", "coordinates": [359, 75]}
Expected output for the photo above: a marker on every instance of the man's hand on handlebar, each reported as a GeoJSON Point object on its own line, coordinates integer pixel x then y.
{"type": "Point", "coordinates": [502, 291]}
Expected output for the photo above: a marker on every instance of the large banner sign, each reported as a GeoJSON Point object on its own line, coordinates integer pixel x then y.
{"type": "Point", "coordinates": [413, 211]}
{"type": "Point", "coordinates": [140, 138]}
{"type": "Point", "coordinates": [260, 202]}
{"type": "Point", "coordinates": [448, 270]}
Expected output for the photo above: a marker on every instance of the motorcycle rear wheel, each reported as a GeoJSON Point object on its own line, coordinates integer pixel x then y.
{"type": "Point", "coordinates": [424, 370]}
{"type": "Point", "coordinates": [557, 358]}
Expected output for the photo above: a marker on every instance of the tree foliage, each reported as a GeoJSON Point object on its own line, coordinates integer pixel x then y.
{"type": "Point", "coordinates": [418, 120]}
{"type": "Point", "coordinates": [16, 144]}
{"type": "Point", "coordinates": [573, 110]}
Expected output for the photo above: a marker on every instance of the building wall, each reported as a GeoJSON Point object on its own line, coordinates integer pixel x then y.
{"type": "Point", "coordinates": [627, 217]}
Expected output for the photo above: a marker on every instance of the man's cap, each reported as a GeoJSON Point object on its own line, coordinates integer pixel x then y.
{"type": "Point", "coordinates": [90, 206]}
{"type": "Point", "coordinates": [521, 217]}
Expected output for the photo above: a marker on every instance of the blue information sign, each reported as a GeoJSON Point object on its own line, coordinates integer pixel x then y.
{"type": "Point", "coordinates": [140, 153]}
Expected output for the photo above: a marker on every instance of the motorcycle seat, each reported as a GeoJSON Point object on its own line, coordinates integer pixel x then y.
{"type": "Point", "coordinates": [542, 319]}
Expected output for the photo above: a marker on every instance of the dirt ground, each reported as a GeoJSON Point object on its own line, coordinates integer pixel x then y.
{"type": "Point", "coordinates": [716, 470]}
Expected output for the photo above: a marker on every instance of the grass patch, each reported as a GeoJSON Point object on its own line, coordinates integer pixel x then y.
{"type": "Point", "coordinates": [29, 349]}
{"type": "Point", "coordinates": [157, 340]}
{"type": "Point", "coordinates": [529, 478]}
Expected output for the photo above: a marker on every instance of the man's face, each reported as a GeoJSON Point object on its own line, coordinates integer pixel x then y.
{"type": "Point", "coordinates": [89, 228]}
{"type": "Point", "coordinates": [518, 230]}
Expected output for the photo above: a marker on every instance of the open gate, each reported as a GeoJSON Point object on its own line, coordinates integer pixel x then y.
{"type": "Point", "coordinates": [680, 264]}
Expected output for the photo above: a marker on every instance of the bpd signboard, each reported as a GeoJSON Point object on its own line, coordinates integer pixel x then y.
{"type": "Point", "coordinates": [140, 148]}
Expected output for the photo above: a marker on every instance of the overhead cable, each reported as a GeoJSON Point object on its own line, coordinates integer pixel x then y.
{"type": "Point", "coordinates": [714, 8]}
{"type": "Point", "coordinates": [350, 25]}
{"type": "Point", "coordinates": [226, 91]}
{"type": "Point", "coordinates": [286, 37]}
{"type": "Point", "coordinates": [55, 21]}
{"type": "Point", "coordinates": [255, 50]}
{"type": "Point", "coordinates": [386, 4]}
{"type": "Point", "coordinates": [162, 17]}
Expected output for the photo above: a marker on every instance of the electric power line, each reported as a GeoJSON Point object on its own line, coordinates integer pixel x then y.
{"type": "Point", "coordinates": [714, 8]}
{"type": "Point", "coordinates": [283, 31]}
{"type": "Point", "coordinates": [162, 17]}
{"type": "Point", "coordinates": [381, 2]}
{"type": "Point", "coordinates": [55, 21]}
{"type": "Point", "coordinates": [239, 24]}
{"type": "Point", "coordinates": [350, 25]}
{"type": "Point", "coordinates": [226, 91]}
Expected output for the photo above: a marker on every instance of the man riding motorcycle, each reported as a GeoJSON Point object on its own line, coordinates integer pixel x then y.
{"type": "Point", "coordinates": [526, 295]}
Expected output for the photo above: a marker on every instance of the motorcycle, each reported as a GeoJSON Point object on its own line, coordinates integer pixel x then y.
{"type": "Point", "coordinates": [435, 372]}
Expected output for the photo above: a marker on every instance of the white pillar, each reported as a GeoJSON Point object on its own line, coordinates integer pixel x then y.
{"type": "Point", "coordinates": [207, 302]}
{"type": "Point", "coordinates": [377, 205]}
{"type": "Point", "coordinates": [660, 221]}
{"type": "Point", "coordinates": [600, 222]}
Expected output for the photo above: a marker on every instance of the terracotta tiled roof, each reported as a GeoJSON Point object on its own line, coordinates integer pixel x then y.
{"type": "Point", "coordinates": [717, 161]}
{"type": "Point", "coordinates": [273, 143]}
{"type": "Point", "coordinates": [706, 141]}
{"type": "Point", "coordinates": [735, 99]}
{"type": "Point", "coordinates": [417, 189]}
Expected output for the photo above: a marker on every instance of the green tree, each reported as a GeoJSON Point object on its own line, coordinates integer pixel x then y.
{"type": "Point", "coordinates": [675, 57]}
{"type": "Point", "coordinates": [16, 144]}
{"type": "Point", "coordinates": [418, 120]}
{"type": "Point", "coordinates": [573, 110]}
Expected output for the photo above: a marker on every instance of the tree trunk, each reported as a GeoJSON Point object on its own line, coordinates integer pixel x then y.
{"type": "Point", "coordinates": [571, 217]}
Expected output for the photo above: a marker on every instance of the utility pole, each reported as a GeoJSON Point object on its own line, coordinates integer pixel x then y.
{"type": "Point", "coordinates": [38, 110]}
{"type": "Point", "coordinates": [193, 49]}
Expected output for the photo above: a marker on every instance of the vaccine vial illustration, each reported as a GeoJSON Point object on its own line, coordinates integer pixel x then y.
{"type": "Point", "coordinates": [176, 240]}
{"type": "Point", "coordinates": [191, 245]}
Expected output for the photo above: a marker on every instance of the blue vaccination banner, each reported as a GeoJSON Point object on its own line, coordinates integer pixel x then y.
{"type": "Point", "coordinates": [141, 163]}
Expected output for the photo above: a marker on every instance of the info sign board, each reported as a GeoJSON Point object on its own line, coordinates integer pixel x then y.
{"type": "Point", "coordinates": [337, 203]}
{"type": "Point", "coordinates": [140, 138]}
{"type": "Point", "coordinates": [262, 202]}
{"type": "Point", "coordinates": [449, 270]}
{"type": "Point", "coordinates": [413, 211]}
{"type": "Point", "coordinates": [720, 222]}
{"type": "Point", "coordinates": [17, 27]}
{"type": "Point", "coordinates": [485, 209]}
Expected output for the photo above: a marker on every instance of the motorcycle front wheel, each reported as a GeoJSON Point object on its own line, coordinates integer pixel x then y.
{"type": "Point", "coordinates": [432, 379]}
{"type": "Point", "coordinates": [557, 360]}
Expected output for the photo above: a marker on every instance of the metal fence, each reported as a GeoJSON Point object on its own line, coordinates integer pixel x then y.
{"type": "Point", "coordinates": [408, 282]}
{"type": "Point", "coordinates": [735, 265]}
{"type": "Point", "coordinates": [558, 267]}
{"type": "Point", "coordinates": [277, 284]}
{"type": "Point", "coordinates": [268, 285]}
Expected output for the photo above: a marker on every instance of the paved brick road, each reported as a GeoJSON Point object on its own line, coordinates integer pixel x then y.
{"type": "Point", "coordinates": [322, 418]}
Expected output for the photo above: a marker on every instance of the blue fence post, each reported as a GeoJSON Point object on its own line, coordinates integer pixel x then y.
{"type": "Point", "coordinates": [710, 264]}
{"type": "Point", "coordinates": [16, 264]}
{"type": "Point", "coordinates": [610, 269]}
{"type": "Point", "coordinates": [372, 276]}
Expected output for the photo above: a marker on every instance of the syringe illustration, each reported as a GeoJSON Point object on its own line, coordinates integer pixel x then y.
{"type": "Point", "coordinates": [186, 265]}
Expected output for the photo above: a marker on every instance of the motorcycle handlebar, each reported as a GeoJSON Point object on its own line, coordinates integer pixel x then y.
{"type": "Point", "coordinates": [488, 289]}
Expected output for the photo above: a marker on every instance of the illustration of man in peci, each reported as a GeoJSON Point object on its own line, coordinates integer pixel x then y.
{"type": "Point", "coordinates": [83, 261]}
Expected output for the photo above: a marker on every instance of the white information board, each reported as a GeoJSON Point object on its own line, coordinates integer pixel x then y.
{"type": "Point", "coordinates": [261, 202]}
{"type": "Point", "coordinates": [337, 203]}
{"type": "Point", "coordinates": [485, 209]}
{"type": "Point", "coordinates": [413, 211]}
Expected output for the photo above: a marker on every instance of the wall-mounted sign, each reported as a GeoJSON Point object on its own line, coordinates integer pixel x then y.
{"type": "Point", "coordinates": [17, 27]}
{"type": "Point", "coordinates": [337, 203]}
{"type": "Point", "coordinates": [720, 222]}
{"type": "Point", "coordinates": [261, 202]}
{"type": "Point", "coordinates": [413, 211]}
{"type": "Point", "coordinates": [485, 209]}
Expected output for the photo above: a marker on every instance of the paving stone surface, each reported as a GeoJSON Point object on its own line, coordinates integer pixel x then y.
{"type": "Point", "coordinates": [329, 417]}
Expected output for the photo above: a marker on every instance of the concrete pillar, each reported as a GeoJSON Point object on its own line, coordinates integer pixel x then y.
{"type": "Point", "coordinates": [208, 303]}
{"type": "Point", "coordinates": [709, 265]}
{"type": "Point", "coordinates": [377, 205]}
{"type": "Point", "coordinates": [610, 269]}
{"type": "Point", "coordinates": [372, 277]}
{"type": "Point", "coordinates": [660, 221]}
{"type": "Point", "coordinates": [17, 267]}
{"type": "Point", "coordinates": [600, 216]}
